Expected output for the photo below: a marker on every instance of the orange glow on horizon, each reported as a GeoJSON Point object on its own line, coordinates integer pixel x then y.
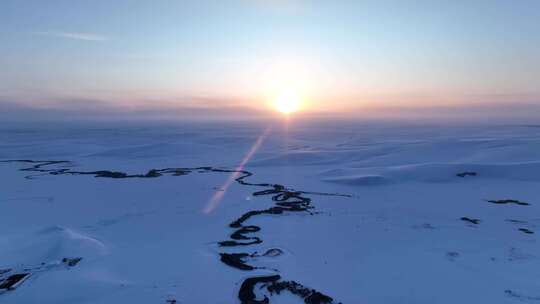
{"type": "Point", "coordinates": [287, 102]}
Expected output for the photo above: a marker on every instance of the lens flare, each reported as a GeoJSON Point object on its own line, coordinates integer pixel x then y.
{"type": "Point", "coordinates": [218, 196]}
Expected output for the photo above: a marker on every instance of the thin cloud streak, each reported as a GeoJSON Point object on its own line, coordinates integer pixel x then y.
{"type": "Point", "coordinates": [74, 35]}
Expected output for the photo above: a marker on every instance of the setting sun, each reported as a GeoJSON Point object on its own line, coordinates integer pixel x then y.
{"type": "Point", "coordinates": [287, 103]}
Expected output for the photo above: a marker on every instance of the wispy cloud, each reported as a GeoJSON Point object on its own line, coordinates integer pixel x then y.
{"type": "Point", "coordinates": [74, 35]}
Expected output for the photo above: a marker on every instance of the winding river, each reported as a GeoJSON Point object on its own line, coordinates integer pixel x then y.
{"type": "Point", "coordinates": [285, 200]}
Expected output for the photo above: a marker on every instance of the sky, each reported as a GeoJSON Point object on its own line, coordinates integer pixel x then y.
{"type": "Point", "coordinates": [233, 56]}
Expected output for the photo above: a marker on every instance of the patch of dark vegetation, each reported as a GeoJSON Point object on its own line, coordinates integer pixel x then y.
{"type": "Point", "coordinates": [525, 230]}
{"type": "Point", "coordinates": [239, 234]}
{"type": "Point", "coordinates": [236, 243]}
{"type": "Point", "coordinates": [109, 174]}
{"type": "Point", "coordinates": [427, 226]}
{"type": "Point", "coordinates": [114, 174]}
{"type": "Point", "coordinates": [452, 255]}
{"type": "Point", "coordinates": [10, 281]}
{"type": "Point", "coordinates": [236, 260]}
{"type": "Point", "coordinates": [247, 294]}
{"type": "Point", "coordinates": [521, 297]}
{"type": "Point", "coordinates": [508, 201]}
{"type": "Point", "coordinates": [274, 286]}
{"type": "Point", "coordinates": [71, 262]}
{"type": "Point", "coordinates": [152, 173]}
{"type": "Point", "coordinates": [467, 173]}
{"type": "Point", "coordinates": [13, 281]}
{"type": "Point", "coordinates": [516, 221]}
{"type": "Point", "coordinates": [470, 220]}
{"type": "Point", "coordinates": [310, 296]}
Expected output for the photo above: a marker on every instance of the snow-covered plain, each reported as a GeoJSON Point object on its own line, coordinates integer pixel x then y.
{"type": "Point", "coordinates": [407, 228]}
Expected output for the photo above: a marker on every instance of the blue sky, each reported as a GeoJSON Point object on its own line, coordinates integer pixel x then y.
{"type": "Point", "coordinates": [340, 54]}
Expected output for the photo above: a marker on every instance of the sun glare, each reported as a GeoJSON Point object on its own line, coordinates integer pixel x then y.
{"type": "Point", "coordinates": [287, 103]}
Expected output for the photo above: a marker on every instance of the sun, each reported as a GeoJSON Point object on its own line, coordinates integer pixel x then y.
{"type": "Point", "coordinates": [287, 102]}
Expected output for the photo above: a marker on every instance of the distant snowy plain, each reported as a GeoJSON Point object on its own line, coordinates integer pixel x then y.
{"type": "Point", "coordinates": [408, 230]}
